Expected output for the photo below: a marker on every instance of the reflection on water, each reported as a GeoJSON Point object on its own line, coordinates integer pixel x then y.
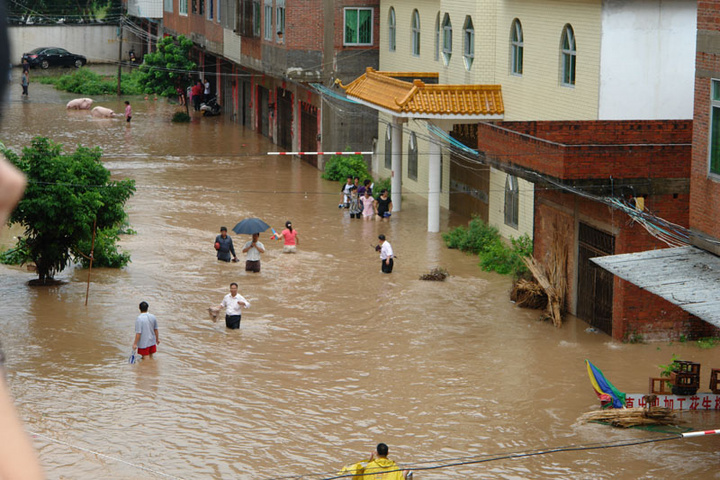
{"type": "Point", "coordinates": [332, 356]}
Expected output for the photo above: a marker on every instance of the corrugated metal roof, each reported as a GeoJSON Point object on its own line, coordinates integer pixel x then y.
{"type": "Point", "coordinates": [421, 99]}
{"type": "Point", "coordinates": [685, 276]}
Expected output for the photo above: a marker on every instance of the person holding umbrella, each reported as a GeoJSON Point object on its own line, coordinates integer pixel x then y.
{"type": "Point", "coordinates": [253, 249]}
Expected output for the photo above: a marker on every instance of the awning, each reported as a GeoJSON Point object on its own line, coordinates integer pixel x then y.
{"type": "Point", "coordinates": [685, 276]}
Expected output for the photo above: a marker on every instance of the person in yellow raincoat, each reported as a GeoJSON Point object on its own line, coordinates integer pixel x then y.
{"type": "Point", "coordinates": [379, 467]}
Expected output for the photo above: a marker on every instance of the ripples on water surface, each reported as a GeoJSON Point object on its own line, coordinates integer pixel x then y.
{"type": "Point", "coordinates": [332, 357]}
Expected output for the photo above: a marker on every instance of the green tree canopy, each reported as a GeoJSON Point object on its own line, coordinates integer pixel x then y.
{"type": "Point", "coordinates": [66, 193]}
{"type": "Point", "coordinates": [167, 68]}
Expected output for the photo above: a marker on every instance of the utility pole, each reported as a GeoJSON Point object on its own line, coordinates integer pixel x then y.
{"type": "Point", "coordinates": [119, 92]}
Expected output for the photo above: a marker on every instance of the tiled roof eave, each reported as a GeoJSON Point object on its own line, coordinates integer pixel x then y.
{"type": "Point", "coordinates": [428, 115]}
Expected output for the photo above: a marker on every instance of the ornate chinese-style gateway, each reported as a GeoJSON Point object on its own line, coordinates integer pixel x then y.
{"type": "Point", "coordinates": [678, 392]}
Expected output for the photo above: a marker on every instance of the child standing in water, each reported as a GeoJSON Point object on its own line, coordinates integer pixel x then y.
{"type": "Point", "coordinates": [128, 111]}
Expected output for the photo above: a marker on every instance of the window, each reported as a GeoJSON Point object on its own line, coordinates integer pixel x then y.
{"type": "Point", "coordinates": [217, 11]}
{"type": "Point", "coordinates": [201, 8]}
{"type": "Point", "coordinates": [358, 26]}
{"type": "Point", "coordinates": [256, 18]}
{"type": "Point", "coordinates": [168, 6]}
{"type": "Point", "coordinates": [568, 55]}
{"type": "Point", "coordinates": [437, 37]}
{"type": "Point", "coordinates": [715, 128]}
{"type": "Point", "coordinates": [415, 40]}
{"type": "Point", "coordinates": [516, 48]}
{"type": "Point", "coordinates": [183, 7]}
{"type": "Point", "coordinates": [210, 9]}
{"type": "Point", "coordinates": [468, 42]}
{"type": "Point", "coordinates": [412, 157]}
{"type": "Point", "coordinates": [512, 201]}
{"type": "Point", "coordinates": [447, 38]}
{"type": "Point", "coordinates": [388, 148]}
{"type": "Point", "coordinates": [392, 28]}
{"type": "Point", "coordinates": [268, 20]}
{"type": "Point", "coordinates": [280, 20]}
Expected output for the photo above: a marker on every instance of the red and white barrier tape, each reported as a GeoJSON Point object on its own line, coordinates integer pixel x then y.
{"type": "Point", "coordinates": [700, 434]}
{"type": "Point", "coordinates": [320, 153]}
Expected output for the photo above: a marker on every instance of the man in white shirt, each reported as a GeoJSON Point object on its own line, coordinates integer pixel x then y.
{"type": "Point", "coordinates": [206, 90]}
{"type": "Point", "coordinates": [233, 302]}
{"type": "Point", "coordinates": [253, 248]}
{"type": "Point", "coordinates": [147, 336]}
{"type": "Point", "coordinates": [386, 255]}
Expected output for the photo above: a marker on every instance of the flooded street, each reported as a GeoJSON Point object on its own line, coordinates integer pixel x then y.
{"type": "Point", "coordinates": [332, 356]}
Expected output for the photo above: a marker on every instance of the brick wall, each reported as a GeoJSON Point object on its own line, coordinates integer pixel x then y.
{"type": "Point", "coordinates": [299, 16]}
{"type": "Point", "coordinates": [593, 149]}
{"type": "Point", "coordinates": [635, 311]}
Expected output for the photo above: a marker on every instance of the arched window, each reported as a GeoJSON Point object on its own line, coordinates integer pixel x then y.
{"type": "Point", "coordinates": [468, 42]}
{"type": "Point", "coordinates": [512, 201]}
{"type": "Point", "coordinates": [447, 38]}
{"type": "Point", "coordinates": [388, 148]}
{"type": "Point", "coordinates": [516, 48]}
{"type": "Point", "coordinates": [568, 53]}
{"type": "Point", "coordinates": [415, 33]}
{"type": "Point", "coordinates": [437, 37]}
{"type": "Point", "coordinates": [392, 28]}
{"type": "Point", "coordinates": [412, 157]}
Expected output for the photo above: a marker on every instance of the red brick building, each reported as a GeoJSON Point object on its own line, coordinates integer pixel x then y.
{"type": "Point", "coordinates": [580, 169]}
{"type": "Point", "coordinates": [263, 57]}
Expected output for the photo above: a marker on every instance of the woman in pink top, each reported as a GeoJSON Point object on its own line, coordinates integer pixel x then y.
{"type": "Point", "coordinates": [291, 238]}
{"type": "Point", "coordinates": [367, 202]}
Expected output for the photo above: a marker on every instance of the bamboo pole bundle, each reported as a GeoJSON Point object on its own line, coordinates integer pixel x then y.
{"type": "Point", "coordinates": [631, 417]}
{"type": "Point", "coordinates": [553, 306]}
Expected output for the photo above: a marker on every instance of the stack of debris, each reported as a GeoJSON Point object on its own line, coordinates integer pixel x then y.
{"type": "Point", "coordinates": [631, 417]}
{"type": "Point", "coordinates": [437, 274]}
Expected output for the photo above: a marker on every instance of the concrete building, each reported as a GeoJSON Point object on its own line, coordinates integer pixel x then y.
{"type": "Point", "coordinates": [263, 57]}
{"type": "Point", "coordinates": [598, 102]}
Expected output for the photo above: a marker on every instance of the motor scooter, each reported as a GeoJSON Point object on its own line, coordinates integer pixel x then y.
{"type": "Point", "coordinates": [210, 108]}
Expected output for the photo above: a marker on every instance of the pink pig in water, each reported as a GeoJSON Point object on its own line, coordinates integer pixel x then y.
{"type": "Point", "coordinates": [80, 104]}
{"type": "Point", "coordinates": [102, 112]}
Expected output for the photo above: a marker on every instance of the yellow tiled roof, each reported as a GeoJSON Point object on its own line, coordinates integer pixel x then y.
{"type": "Point", "coordinates": [381, 89]}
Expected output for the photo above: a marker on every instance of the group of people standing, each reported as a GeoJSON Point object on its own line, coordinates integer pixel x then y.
{"type": "Point", "coordinates": [360, 203]}
{"type": "Point", "coordinates": [254, 248]}
{"type": "Point", "coordinates": [198, 93]}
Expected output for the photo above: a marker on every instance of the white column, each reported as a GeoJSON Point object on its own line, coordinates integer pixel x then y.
{"type": "Point", "coordinates": [396, 180]}
{"type": "Point", "coordinates": [434, 187]}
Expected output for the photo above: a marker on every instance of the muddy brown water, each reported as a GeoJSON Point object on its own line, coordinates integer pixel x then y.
{"type": "Point", "coordinates": [332, 356]}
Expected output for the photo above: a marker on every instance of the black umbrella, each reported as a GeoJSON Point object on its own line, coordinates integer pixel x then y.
{"type": "Point", "coordinates": [250, 226]}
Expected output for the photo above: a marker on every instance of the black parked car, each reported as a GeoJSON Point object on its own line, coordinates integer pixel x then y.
{"type": "Point", "coordinates": [45, 57]}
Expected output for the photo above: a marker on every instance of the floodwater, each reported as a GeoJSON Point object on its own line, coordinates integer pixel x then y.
{"type": "Point", "coordinates": [332, 356]}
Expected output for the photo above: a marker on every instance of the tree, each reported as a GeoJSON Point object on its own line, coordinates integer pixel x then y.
{"type": "Point", "coordinates": [168, 68]}
{"type": "Point", "coordinates": [66, 194]}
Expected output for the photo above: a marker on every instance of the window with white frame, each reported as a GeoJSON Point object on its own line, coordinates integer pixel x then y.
{"type": "Point", "coordinates": [516, 48]}
{"type": "Point", "coordinates": [447, 38]}
{"type": "Point", "coordinates": [358, 26]}
{"type": "Point", "coordinates": [512, 201]}
{"type": "Point", "coordinates": [182, 6]}
{"type": "Point", "coordinates": [392, 30]}
{"type": "Point", "coordinates": [468, 42]}
{"type": "Point", "coordinates": [217, 11]}
{"type": "Point", "coordinates": [210, 9]}
{"type": "Point", "coordinates": [388, 148]}
{"type": "Point", "coordinates": [437, 37]}
{"type": "Point", "coordinates": [268, 33]}
{"type": "Point", "coordinates": [714, 140]}
{"type": "Point", "coordinates": [412, 157]}
{"type": "Point", "coordinates": [415, 29]}
{"type": "Point", "coordinates": [168, 6]}
{"type": "Point", "coordinates": [568, 53]}
{"type": "Point", "coordinates": [280, 19]}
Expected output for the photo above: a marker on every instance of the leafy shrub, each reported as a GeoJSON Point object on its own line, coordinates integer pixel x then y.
{"type": "Point", "coordinates": [86, 82]}
{"type": "Point", "coordinates": [18, 255]}
{"type": "Point", "coordinates": [339, 167]}
{"type": "Point", "coordinates": [485, 241]}
{"type": "Point", "coordinates": [382, 184]}
{"type": "Point", "coordinates": [106, 253]}
{"type": "Point", "coordinates": [474, 238]}
{"type": "Point", "coordinates": [180, 117]}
